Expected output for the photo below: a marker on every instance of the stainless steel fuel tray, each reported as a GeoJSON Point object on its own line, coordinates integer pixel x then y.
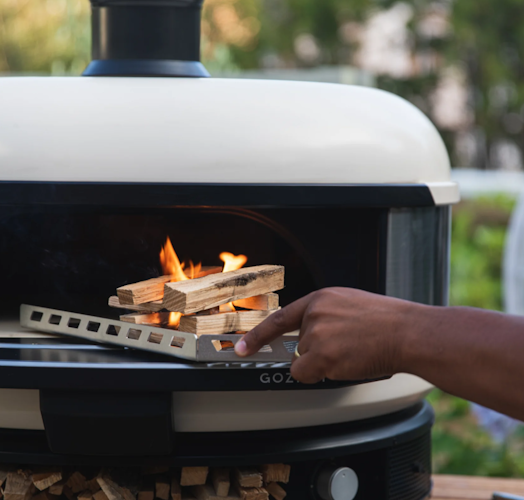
{"type": "Point", "coordinates": [148, 338]}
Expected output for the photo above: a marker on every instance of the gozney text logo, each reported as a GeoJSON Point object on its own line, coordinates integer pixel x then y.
{"type": "Point", "coordinates": [277, 378]}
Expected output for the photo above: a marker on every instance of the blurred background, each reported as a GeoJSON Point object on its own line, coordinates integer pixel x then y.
{"type": "Point", "coordinates": [461, 63]}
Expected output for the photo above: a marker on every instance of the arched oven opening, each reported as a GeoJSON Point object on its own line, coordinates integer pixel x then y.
{"type": "Point", "coordinates": [74, 259]}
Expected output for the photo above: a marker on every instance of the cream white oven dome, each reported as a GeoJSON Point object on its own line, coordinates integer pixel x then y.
{"type": "Point", "coordinates": [189, 130]}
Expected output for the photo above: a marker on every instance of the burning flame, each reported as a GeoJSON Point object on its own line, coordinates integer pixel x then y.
{"type": "Point", "coordinates": [171, 265]}
{"type": "Point", "coordinates": [174, 319]}
{"type": "Point", "coordinates": [231, 263]}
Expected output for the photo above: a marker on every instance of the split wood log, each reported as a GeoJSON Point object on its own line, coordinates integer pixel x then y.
{"type": "Point", "coordinates": [112, 490]}
{"type": "Point", "coordinates": [217, 344]}
{"type": "Point", "coordinates": [253, 493]}
{"type": "Point", "coordinates": [248, 477]}
{"type": "Point", "coordinates": [18, 486]}
{"type": "Point", "coordinates": [143, 291]}
{"type": "Point", "coordinates": [44, 495]}
{"type": "Point", "coordinates": [195, 295]}
{"type": "Point", "coordinates": [265, 302]}
{"type": "Point", "coordinates": [57, 488]}
{"type": "Point", "coordinates": [193, 476]}
{"type": "Point", "coordinates": [154, 319]}
{"type": "Point", "coordinates": [3, 477]}
{"type": "Point", "coordinates": [162, 488]}
{"type": "Point", "coordinates": [100, 495]}
{"type": "Point", "coordinates": [68, 492]}
{"type": "Point", "coordinates": [44, 480]}
{"type": "Point", "coordinates": [85, 495]}
{"type": "Point", "coordinates": [276, 491]}
{"type": "Point", "coordinates": [128, 495]}
{"type": "Point", "coordinates": [148, 307]}
{"type": "Point", "coordinates": [77, 482]}
{"type": "Point", "coordinates": [221, 481]}
{"type": "Point", "coordinates": [146, 491]}
{"type": "Point", "coordinates": [216, 324]}
{"type": "Point", "coordinates": [275, 473]}
{"type": "Point", "coordinates": [92, 485]}
{"type": "Point", "coordinates": [153, 289]}
{"type": "Point", "coordinates": [146, 494]}
{"type": "Point", "coordinates": [176, 491]}
{"type": "Point", "coordinates": [206, 492]}
{"type": "Point", "coordinates": [207, 270]}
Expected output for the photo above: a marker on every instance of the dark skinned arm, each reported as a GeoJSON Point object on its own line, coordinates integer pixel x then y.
{"type": "Point", "coordinates": [348, 334]}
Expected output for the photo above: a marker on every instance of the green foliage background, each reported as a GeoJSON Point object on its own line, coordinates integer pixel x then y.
{"type": "Point", "coordinates": [460, 446]}
{"type": "Point", "coordinates": [485, 40]}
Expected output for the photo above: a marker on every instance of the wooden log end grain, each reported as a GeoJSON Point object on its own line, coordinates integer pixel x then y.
{"type": "Point", "coordinates": [220, 478]}
{"type": "Point", "coordinates": [248, 477]}
{"type": "Point", "coordinates": [276, 491]}
{"type": "Point", "coordinates": [273, 473]}
{"type": "Point", "coordinates": [44, 480]}
{"type": "Point", "coordinates": [18, 486]}
{"type": "Point", "coordinates": [193, 476]}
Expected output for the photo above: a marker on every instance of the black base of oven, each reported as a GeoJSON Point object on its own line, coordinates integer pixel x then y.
{"type": "Point", "coordinates": [391, 455]}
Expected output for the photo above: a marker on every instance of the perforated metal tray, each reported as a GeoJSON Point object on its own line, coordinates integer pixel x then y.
{"type": "Point", "coordinates": [148, 338]}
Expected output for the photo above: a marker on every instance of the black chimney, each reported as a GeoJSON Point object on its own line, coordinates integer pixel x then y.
{"type": "Point", "coordinates": [146, 38]}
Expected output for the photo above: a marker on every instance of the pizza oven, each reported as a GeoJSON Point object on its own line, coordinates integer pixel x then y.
{"type": "Point", "coordinates": [342, 185]}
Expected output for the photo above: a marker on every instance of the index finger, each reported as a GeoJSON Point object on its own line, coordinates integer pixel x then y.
{"type": "Point", "coordinates": [285, 320]}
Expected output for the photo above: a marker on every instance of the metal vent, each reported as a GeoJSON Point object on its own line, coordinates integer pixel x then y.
{"type": "Point", "coordinates": [410, 470]}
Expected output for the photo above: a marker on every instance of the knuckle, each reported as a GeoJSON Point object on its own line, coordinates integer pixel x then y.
{"type": "Point", "coordinates": [279, 318]}
{"type": "Point", "coordinates": [317, 306]}
{"type": "Point", "coordinates": [314, 311]}
{"type": "Point", "coordinates": [315, 333]}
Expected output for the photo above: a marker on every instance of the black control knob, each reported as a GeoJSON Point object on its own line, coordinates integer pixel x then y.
{"type": "Point", "coordinates": [337, 483]}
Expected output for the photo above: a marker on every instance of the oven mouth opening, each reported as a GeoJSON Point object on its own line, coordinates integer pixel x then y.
{"type": "Point", "coordinates": [73, 259]}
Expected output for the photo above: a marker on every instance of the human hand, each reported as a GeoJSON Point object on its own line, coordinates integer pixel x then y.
{"type": "Point", "coordinates": [345, 334]}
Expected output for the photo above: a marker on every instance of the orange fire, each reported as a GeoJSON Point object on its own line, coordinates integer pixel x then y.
{"type": "Point", "coordinates": [171, 265]}
{"type": "Point", "coordinates": [174, 319]}
{"type": "Point", "coordinates": [232, 262]}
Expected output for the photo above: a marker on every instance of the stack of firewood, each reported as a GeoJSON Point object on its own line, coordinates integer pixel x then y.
{"type": "Point", "coordinates": [189, 483]}
{"type": "Point", "coordinates": [200, 303]}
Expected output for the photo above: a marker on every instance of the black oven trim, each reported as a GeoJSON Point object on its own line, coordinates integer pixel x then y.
{"type": "Point", "coordinates": [125, 370]}
{"type": "Point", "coordinates": [132, 194]}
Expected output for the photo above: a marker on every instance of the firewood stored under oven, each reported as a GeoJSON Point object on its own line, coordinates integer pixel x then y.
{"type": "Point", "coordinates": [190, 483]}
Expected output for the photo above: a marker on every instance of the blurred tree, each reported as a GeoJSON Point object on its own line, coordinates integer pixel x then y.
{"type": "Point", "coordinates": [48, 36]}
{"type": "Point", "coordinates": [487, 40]}
{"type": "Point", "coordinates": [472, 48]}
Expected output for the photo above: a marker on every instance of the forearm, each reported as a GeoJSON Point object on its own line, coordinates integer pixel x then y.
{"type": "Point", "coordinates": [474, 354]}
